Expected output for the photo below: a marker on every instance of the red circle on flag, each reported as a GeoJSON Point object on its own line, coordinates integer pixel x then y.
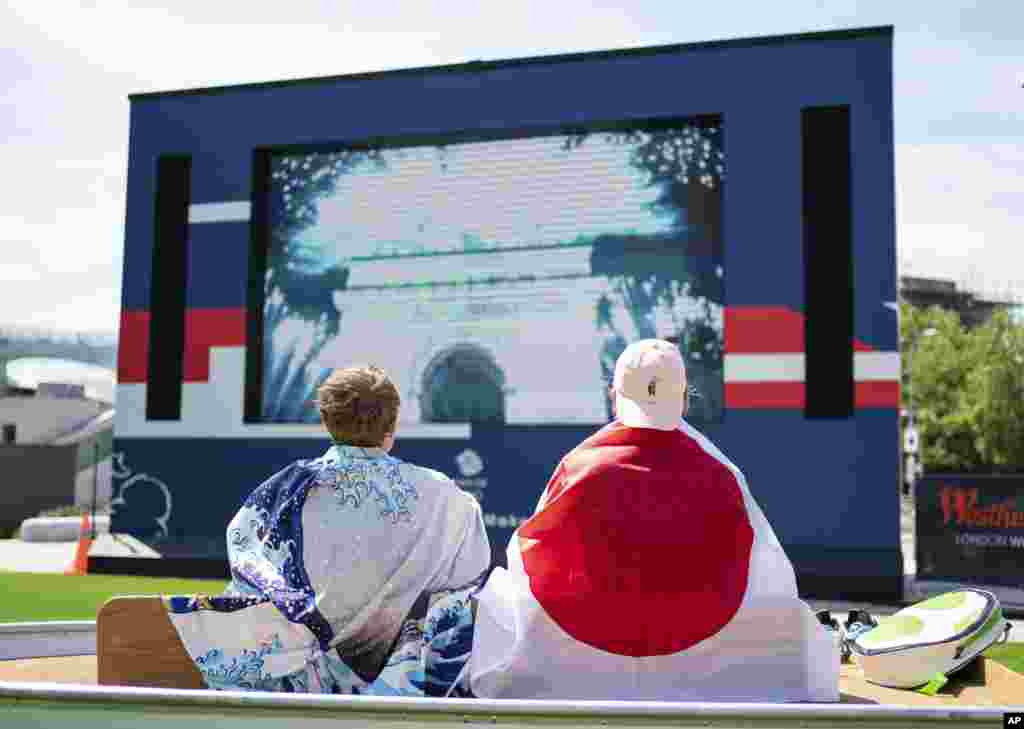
{"type": "Point", "coordinates": [643, 545]}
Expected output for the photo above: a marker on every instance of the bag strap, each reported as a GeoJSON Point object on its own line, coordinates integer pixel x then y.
{"type": "Point", "coordinates": [857, 623]}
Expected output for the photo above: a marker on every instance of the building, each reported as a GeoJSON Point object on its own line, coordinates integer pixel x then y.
{"type": "Point", "coordinates": [57, 420]}
{"type": "Point", "coordinates": [972, 308]}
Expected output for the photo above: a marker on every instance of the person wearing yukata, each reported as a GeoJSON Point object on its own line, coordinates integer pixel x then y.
{"type": "Point", "coordinates": [351, 573]}
{"type": "Point", "coordinates": [648, 571]}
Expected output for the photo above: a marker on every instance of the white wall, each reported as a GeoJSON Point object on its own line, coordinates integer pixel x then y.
{"type": "Point", "coordinates": [38, 417]}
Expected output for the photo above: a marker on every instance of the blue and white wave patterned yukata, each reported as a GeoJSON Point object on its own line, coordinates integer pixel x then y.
{"type": "Point", "coordinates": [351, 573]}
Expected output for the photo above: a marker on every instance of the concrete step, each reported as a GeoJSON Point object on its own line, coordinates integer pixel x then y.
{"type": "Point", "coordinates": [59, 528]}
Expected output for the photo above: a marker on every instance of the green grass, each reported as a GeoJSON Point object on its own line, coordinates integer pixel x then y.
{"type": "Point", "coordinates": [1010, 655]}
{"type": "Point", "coordinates": [30, 597]}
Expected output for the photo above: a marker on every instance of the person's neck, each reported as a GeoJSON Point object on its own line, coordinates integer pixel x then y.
{"type": "Point", "coordinates": [385, 446]}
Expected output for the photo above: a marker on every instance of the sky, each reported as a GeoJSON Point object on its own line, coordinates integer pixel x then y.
{"type": "Point", "coordinates": [67, 68]}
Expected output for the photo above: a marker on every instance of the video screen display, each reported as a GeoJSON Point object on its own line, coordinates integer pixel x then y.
{"type": "Point", "coordinates": [495, 281]}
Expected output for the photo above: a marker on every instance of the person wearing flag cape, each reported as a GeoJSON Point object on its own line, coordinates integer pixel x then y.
{"type": "Point", "coordinates": [648, 571]}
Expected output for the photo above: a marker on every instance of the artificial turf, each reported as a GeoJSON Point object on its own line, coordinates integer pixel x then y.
{"type": "Point", "coordinates": [1010, 655]}
{"type": "Point", "coordinates": [31, 597]}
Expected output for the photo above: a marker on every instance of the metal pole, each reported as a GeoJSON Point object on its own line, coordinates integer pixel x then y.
{"type": "Point", "coordinates": [908, 478]}
{"type": "Point", "coordinates": [910, 384]}
{"type": "Point", "coordinates": [928, 332]}
{"type": "Point", "coordinates": [95, 481]}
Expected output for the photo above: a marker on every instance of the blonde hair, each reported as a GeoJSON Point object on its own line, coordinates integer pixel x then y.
{"type": "Point", "coordinates": [359, 405]}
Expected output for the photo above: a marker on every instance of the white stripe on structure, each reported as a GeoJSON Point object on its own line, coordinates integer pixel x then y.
{"type": "Point", "coordinates": [764, 368]}
{"type": "Point", "coordinates": [876, 366]}
{"type": "Point", "coordinates": [790, 367]}
{"type": "Point", "coordinates": [220, 212]}
{"type": "Point", "coordinates": [214, 409]}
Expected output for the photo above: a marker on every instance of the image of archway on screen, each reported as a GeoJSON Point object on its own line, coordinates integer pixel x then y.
{"type": "Point", "coordinates": [496, 280]}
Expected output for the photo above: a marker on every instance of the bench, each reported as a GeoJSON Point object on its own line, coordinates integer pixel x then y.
{"type": "Point", "coordinates": [137, 645]}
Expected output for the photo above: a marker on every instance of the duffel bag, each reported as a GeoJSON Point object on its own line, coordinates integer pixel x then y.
{"type": "Point", "coordinates": [924, 643]}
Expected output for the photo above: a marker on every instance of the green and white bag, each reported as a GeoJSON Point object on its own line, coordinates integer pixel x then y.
{"type": "Point", "coordinates": [922, 644]}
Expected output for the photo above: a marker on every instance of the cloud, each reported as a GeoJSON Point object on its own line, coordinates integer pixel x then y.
{"type": "Point", "coordinates": [987, 124]}
{"type": "Point", "coordinates": [956, 214]}
{"type": "Point", "coordinates": [66, 70]}
{"type": "Point", "coordinates": [79, 309]}
{"type": "Point", "coordinates": [200, 44]}
{"type": "Point", "coordinates": [64, 113]}
{"type": "Point", "coordinates": [954, 87]}
{"type": "Point", "coordinates": [18, 272]}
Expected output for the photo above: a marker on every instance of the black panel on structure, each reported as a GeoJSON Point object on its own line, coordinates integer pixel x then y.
{"type": "Point", "coordinates": [259, 249]}
{"type": "Point", "coordinates": [167, 295]}
{"type": "Point", "coordinates": [828, 262]}
{"type": "Point", "coordinates": [181, 567]}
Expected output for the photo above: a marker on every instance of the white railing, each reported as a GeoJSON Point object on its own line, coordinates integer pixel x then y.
{"type": "Point", "coordinates": [84, 707]}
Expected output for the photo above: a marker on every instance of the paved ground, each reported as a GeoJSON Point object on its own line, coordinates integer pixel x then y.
{"type": "Point", "coordinates": [19, 556]}
{"type": "Point", "coordinates": [69, 669]}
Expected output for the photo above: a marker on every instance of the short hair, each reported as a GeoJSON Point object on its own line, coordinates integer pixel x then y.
{"type": "Point", "coordinates": [359, 405]}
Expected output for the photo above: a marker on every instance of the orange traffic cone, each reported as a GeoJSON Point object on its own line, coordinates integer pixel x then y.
{"type": "Point", "coordinates": [80, 565]}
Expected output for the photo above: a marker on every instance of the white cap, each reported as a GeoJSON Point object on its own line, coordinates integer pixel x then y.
{"type": "Point", "coordinates": [650, 385]}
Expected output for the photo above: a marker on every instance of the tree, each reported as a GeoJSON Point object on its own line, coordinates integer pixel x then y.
{"type": "Point", "coordinates": [995, 393]}
{"type": "Point", "coordinates": [934, 376]}
{"type": "Point", "coordinates": [966, 389]}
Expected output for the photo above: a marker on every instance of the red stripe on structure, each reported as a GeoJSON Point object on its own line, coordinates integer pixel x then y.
{"type": "Point", "coordinates": [205, 328]}
{"type": "Point", "coordinates": [791, 395]}
{"type": "Point", "coordinates": [768, 330]}
{"type": "Point", "coordinates": [133, 347]}
{"type": "Point", "coordinates": [765, 395]}
{"type": "Point", "coordinates": [880, 394]}
{"type": "Point", "coordinates": [763, 330]}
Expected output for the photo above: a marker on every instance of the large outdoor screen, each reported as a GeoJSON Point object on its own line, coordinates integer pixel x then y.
{"type": "Point", "coordinates": [495, 280]}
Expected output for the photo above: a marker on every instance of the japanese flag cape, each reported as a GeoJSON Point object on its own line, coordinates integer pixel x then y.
{"type": "Point", "coordinates": [648, 572]}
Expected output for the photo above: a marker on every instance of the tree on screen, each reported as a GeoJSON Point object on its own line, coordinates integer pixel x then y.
{"type": "Point", "coordinates": [294, 267]}
{"type": "Point", "coordinates": [645, 270]}
{"type": "Point", "coordinates": [299, 283]}
{"type": "Point", "coordinates": [686, 167]}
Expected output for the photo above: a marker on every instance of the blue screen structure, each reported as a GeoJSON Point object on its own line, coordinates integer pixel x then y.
{"type": "Point", "coordinates": [496, 280]}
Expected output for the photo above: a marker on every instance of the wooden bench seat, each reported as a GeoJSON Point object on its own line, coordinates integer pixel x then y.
{"type": "Point", "coordinates": [137, 645]}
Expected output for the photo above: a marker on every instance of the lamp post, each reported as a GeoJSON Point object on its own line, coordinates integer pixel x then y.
{"type": "Point", "coordinates": [910, 438]}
